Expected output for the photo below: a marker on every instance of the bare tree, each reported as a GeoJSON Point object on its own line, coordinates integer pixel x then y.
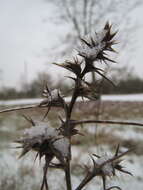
{"type": "Point", "coordinates": [1, 78]}
{"type": "Point", "coordinates": [84, 16]}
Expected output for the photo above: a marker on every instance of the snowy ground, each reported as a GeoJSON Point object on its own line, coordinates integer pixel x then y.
{"type": "Point", "coordinates": [25, 174]}
{"type": "Point", "coordinates": [126, 97]}
{"type": "Point", "coordinates": [30, 172]}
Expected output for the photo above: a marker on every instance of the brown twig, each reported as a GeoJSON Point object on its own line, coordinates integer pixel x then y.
{"type": "Point", "coordinates": [68, 176]}
{"type": "Point", "coordinates": [107, 122]}
{"type": "Point", "coordinates": [68, 116]}
{"type": "Point", "coordinates": [18, 108]}
{"type": "Point", "coordinates": [94, 172]}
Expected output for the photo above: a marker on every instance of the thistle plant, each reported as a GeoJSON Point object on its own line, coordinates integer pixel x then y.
{"type": "Point", "coordinates": [49, 142]}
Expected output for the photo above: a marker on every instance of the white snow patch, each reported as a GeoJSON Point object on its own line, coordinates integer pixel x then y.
{"type": "Point", "coordinates": [62, 145]}
{"type": "Point", "coordinates": [42, 129]}
{"type": "Point", "coordinates": [125, 97]}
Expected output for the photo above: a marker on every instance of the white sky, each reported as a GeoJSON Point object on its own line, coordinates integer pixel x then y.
{"type": "Point", "coordinates": [24, 34]}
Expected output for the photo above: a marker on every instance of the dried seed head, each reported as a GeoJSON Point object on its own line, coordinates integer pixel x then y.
{"type": "Point", "coordinates": [61, 147]}
{"type": "Point", "coordinates": [71, 129]}
{"type": "Point", "coordinates": [94, 48]}
{"type": "Point", "coordinates": [106, 165]}
{"type": "Point", "coordinates": [86, 90]}
{"type": "Point", "coordinates": [46, 141]}
{"type": "Point", "coordinates": [90, 52]}
{"type": "Point", "coordinates": [107, 169]}
{"type": "Point", "coordinates": [41, 130]}
{"type": "Point", "coordinates": [53, 98]}
{"type": "Point", "coordinates": [51, 95]}
{"type": "Point", "coordinates": [73, 66]}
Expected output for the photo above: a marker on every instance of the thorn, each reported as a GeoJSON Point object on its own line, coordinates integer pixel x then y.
{"type": "Point", "coordinates": [49, 107]}
{"type": "Point", "coordinates": [36, 157]}
{"type": "Point", "coordinates": [117, 150]}
{"type": "Point", "coordinates": [96, 155]}
{"type": "Point", "coordinates": [94, 163]}
{"type": "Point", "coordinates": [29, 119]}
{"type": "Point", "coordinates": [61, 119]}
{"type": "Point", "coordinates": [88, 44]}
{"type": "Point", "coordinates": [124, 171]}
{"type": "Point", "coordinates": [104, 182]}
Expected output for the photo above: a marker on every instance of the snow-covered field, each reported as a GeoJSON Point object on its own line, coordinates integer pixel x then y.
{"type": "Point", "coordinates": [126, 97]}
{"type": "Point", "coordinates": [28, 174]}
{"type": "Point", "coordinates": [20, 101]}
{"type": "Point", "coordinates": [25, 174]}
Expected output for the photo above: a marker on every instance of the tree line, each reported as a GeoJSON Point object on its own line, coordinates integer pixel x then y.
{"type": "Point", "coordinates": [128, 82]}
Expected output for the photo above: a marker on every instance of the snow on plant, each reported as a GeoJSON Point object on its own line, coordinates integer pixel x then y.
{"type": "Point", "coordinates": [49, 142]}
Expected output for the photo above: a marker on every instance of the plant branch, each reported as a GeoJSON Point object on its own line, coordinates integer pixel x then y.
{"type": "Point", "coordinates": [19, 108]}
{"type": "Point", "coordinates": [68, 116]}
{"type": "Point", "coordinates": [86, 180]}
{"type": "Point", "coordinates": [107, 122]}
{"type": "Point", "coordinates": [73, 99]}
{"type": "Point", "coordinates": [45, 170]}
{"type": "Point", "coordinates": [95, 172]}
{"type": "Point", "coordinates": [68, 176]}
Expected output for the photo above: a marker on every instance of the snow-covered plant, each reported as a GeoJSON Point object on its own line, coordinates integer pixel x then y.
{"type": "Point", "coordinates": [49, 142]}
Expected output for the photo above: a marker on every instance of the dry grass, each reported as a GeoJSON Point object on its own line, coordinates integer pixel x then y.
{"type": "Point", "coordinates": [87, 110]}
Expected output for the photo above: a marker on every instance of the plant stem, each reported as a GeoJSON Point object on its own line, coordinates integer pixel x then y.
{"type": "Point", "coordinates": [107, 122]}
{"type": "Point", "coordinates": [45, 170]}
{"type": "Point", "coordinates": [73, 100]}
{"type": "Point", "coordinates": [68, 117]}
{"type": "Point", "coordinates": [84, 182]}
{"type": "Point", "coordinates": [68, 176]}
{"type": "Point", "coordinates": [19, 108]}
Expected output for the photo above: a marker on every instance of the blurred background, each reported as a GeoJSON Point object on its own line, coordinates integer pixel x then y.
{"type": "Point", "coordinates": [36, 33]}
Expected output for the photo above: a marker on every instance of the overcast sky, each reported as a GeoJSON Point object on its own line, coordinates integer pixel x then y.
{"type": "Point", "coordinates": [24, 33]}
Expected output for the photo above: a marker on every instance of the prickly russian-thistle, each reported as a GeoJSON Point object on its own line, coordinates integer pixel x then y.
{"type": "Point", "coordinates": [45, 140]}
{"type": "Point", "coordinates": [95, 47]}
{"type": "Point", "coordinates": [52, 142]}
